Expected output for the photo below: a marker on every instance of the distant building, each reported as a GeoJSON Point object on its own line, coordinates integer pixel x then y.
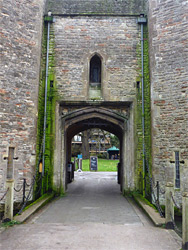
{"type": "Point", "coordinates": [98, 143]}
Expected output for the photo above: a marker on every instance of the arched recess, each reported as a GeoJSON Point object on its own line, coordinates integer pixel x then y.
{"type": "Point", "coordinates": [95, 76]}
{"type": "Point", "coordinates": [94, 117]}
{"type": "Point", "coordinates": [95, 71]}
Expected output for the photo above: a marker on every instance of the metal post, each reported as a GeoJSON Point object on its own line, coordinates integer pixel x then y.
{"type": "Point", "coordinates": [158, 192]}
{"type": "Point", "coordinates": [143, 122]}
{"type": "Point", "coordinates": [141, 183]}
{"type": "Point", "coordinates": [45, 98]}
{"type": "Point", "coordinates": [24, 184]}
{"type": "Point", "coordinates": [79, 165]}
{"type": "Point", "coordinates": [142, 20]}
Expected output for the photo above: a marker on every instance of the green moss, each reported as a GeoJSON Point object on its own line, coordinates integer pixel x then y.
{"type": "Point", "coordinates": [63, 194]}
{"type": "Point", "coordinates": [128, 193]}
{"type": "Point", "coordinates": [38, 200]}
{"type": "Point", "coordinates": [147, 117]}
{"type": "Point", "coordinates": [139, 196]}
{"type": "Point", "coordinates": [48, 18]}
{"type": "Point", "coordinates": [60, 191]}
{"type": "Point", "coordinates": [9, 224]}
{"type": "Point", "coordinates": [47, 180]}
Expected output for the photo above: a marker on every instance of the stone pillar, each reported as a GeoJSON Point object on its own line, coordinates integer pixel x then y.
{"type": "Point", "coordinates": [169, 205]}
{"type": "Point", "coordinates": [124, 184]}
{"type": "Point", "coordinates": [184, 187]}
{"type": "Point", "coordinates": [185, 221]}
{"type": "Point", "coordinates": [9, 201]}
{"type": "Point", "coordinates": [9, 204]}
{"type": "Point", "coordinates": [57, 169]}
{"type": "Point", "coordinates": [63, 170]}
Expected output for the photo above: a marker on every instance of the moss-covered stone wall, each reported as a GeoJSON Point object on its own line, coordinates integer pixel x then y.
{"type": "Point", "coordinates": [147, 119]}
{"type": "Point", "coordinates": [67, 46]}
{"type": "Point", "coordinates": [46, 183]}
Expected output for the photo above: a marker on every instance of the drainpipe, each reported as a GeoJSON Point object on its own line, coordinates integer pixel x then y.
{"type": "Point", "coordinates": [142, 20]}
{"type": "Point", "coordinates": [47, 19]}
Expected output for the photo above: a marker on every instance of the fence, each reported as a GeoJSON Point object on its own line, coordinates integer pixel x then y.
{"type": "Point", "coordinates": [26, 188]}
{"type": "Point", "coordinates": [4, 195]}
{"type": "Point", "coordinates": [170, 204]}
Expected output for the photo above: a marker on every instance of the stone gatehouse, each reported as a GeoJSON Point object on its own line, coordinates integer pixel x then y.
{"type": "Point", "coordinates": [116, 65]}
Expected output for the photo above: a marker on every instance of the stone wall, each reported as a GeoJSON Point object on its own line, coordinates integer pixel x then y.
{"type": "Point", "coordinates": [21, 28]}
{"type": "Point", "coordinates": [116, 7]}
{"type": "Point", "coordinates": [115, 39]}
{"type": "Point", "coordinates": [168, 29]}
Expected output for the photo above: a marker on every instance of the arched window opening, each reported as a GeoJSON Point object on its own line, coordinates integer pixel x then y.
{"type": "Point", "coordinates": [95, 71]}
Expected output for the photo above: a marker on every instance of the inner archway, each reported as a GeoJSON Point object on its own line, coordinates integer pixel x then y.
{"type": "Point", "coordinates": [94, 121]}
{"type": "Point", "coordinates": [94, 150]}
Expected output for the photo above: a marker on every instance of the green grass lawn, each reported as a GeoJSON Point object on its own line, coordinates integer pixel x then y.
{"type": "Point", "coordinates": [103, 165]}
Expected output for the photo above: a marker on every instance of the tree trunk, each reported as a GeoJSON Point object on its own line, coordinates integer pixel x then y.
{"type": "Point", "coordinates": [85, 144]}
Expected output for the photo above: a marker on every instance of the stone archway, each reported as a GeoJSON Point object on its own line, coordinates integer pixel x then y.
{"type": "Point", "coordinates": [73, 118]}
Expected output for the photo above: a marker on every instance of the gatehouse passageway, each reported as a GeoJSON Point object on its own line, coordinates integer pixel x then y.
{"type": "Point", "coordinates": [114, 118]}
{"type": "Point", "coordinates": [92, 215]}
{"type": "Point", "coordinates": [92, 197]}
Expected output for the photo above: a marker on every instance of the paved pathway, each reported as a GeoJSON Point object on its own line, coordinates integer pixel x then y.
{"type": "Point", "coordinates": [93, 215]}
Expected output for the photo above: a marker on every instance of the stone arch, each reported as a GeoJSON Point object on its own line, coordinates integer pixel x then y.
{"type": "Point", "coordinates": [83, 118]}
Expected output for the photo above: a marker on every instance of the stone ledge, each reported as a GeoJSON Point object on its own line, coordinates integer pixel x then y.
{"type": "Point", "coordinates": [31, 210]}
{"type": "Point", "coordinates": [151, 212]}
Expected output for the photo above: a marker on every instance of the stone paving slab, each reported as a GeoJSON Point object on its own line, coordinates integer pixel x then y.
{"type": "Point", "coordinates": [86, 236]}
{"type": "Point", "coordinates": [93, 215]}
{"type": "Point", "coordinates": [92, 198]}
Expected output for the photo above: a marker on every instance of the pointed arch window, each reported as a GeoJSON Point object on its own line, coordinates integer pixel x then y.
{"type": "Point", "coordinates": [95, 77]}
{"type": "Point", "coordinates": [95, 71]}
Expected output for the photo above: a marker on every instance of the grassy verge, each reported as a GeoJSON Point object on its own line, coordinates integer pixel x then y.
{"type": "Point", "coordinates": [103, 165]}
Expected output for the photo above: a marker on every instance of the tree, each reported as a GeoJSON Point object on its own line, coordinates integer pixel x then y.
{"type": "Point", "coordinates": [114, 141]}
{"type": "Point", "coordinates": [85, 144]}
